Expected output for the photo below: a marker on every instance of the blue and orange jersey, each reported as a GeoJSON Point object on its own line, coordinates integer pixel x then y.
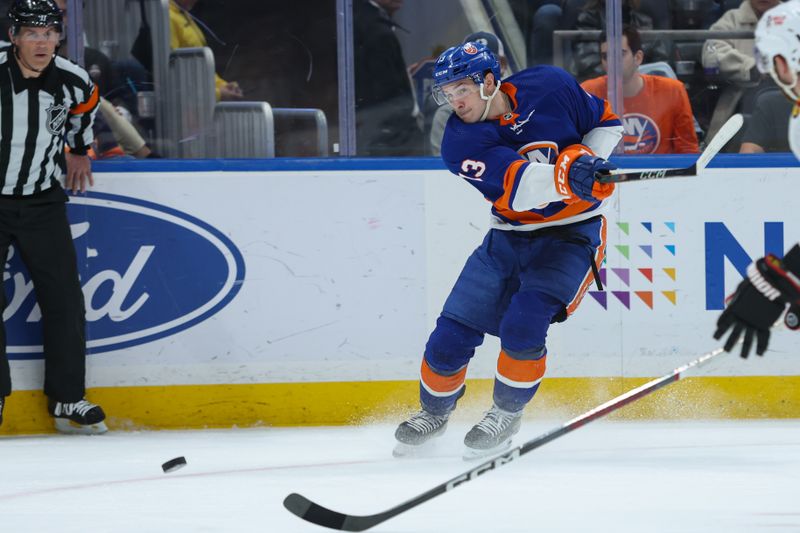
{"type": "Point", "coordinates": [550, 111]}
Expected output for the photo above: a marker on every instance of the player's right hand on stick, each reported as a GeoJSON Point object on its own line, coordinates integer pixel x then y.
{"type": "Point", "coordinates": [759, 301]}
{"type": "Point", "coordinates": [576, 168]}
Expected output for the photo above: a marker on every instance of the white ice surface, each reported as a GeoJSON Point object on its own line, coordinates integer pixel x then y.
{"type": "Point", "coordinates": [606, 477]}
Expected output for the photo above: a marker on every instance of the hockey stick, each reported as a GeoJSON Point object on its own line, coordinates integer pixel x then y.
{"type": "Point", "coordinates": [322, 516]}
{"type": "Point", "coordinates": [725, 134]}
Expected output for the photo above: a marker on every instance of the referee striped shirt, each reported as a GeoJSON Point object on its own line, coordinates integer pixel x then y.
{"type": "Point", "coordinates": [37, 116]}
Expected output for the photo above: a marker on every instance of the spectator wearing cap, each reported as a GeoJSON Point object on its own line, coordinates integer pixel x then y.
{"type": "Point", "coordinates": [493, 43]}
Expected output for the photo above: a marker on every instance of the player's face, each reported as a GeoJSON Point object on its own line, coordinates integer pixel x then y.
{"type": "Point", "coordinates": [784, 74]}
{"type": "Point", "coordinates": [465, 99]}
{"type": "Point", "coordinates": [36, 45]}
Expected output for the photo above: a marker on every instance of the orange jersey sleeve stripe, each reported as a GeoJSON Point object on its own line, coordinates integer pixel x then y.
{"type": "Point", "coordinates": [589, 278]}
{"type": "Point", "coordinates": [608, 114]}
{"type": "Point", "coordinates": [509, 179]}
{"type": "Point", "coordinates": [438, 383]}
{"type": "Point", "coordinates": [521, 371]}
{"type": "Point", "coordinates": [88, 105]}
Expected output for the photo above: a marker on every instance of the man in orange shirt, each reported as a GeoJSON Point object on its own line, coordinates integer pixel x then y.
{"type": "Point", "coordinates": [658, 118]}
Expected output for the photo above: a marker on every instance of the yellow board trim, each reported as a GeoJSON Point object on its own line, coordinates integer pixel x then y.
{"type": "Point", "coordinates": [308, 404]}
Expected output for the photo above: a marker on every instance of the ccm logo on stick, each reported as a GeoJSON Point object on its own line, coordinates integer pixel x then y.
{"type": "Point", "coordinates": [482, 469]}
{"type": "Point", "coordinates": [652, 174]}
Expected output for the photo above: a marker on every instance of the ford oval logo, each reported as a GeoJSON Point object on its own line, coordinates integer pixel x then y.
{"type": "Point", "coordinates": [147, 271]}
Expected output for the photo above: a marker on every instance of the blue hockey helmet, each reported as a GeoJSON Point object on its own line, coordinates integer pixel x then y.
{"type": "Point", "coordinates": [469, 60]}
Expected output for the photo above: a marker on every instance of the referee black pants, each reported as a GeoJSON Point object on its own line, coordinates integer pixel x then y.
{"type": "Point", "coordinates": [37, 226]}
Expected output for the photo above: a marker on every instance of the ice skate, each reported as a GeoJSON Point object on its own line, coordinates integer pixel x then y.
{"type": "Point", "coordinates": [83, 417]}
{"type": "Point", "coordinates": [492, 434]}
{"type": "Point", "coordinates": [415, 433]}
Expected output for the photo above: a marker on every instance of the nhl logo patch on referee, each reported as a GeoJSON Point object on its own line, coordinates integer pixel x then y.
{"type": "Point", "coordinates": [56, 117]}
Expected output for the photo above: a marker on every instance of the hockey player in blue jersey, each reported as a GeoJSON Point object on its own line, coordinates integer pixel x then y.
{"type": "Point", "coordinates": [531, 144]}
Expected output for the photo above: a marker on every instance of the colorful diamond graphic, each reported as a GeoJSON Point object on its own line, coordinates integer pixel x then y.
{"type": "Point", "coordinates": [646, 248]}
{"type": "Point", "coordinates": [602, 273]}
{"type": "Point", "coordinates": [624, 297]}
{"type": "Point", "coordinates": [624, 226]}
{"type": "Point", "coordinates": [647, 297]}
{"type": "Point", "coordinates": [648, 226]}
{"type": "Point", "coordinates": [671, 272]}
{"type": "Point", "coordinates": [671, 296]}
{"type": "Point", "coordinates": [671, 226]}
{"type": "Point", "coordinates": [670, 248]}
{"type": "Point", "coordinates": [623, 274]}
{"type": "Point", "coordinates": [648, 273]}
{"type": "Point", "coordinates": [624, 249]}
{"type": "Point", "coordinates": [601, 297]}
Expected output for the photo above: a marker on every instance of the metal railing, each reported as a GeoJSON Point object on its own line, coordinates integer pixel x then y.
{"type": "Point", "coordinates": [562, 38]}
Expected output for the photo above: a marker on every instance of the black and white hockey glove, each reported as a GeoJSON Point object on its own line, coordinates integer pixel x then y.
{"type": "Point", "coordinates": [759, 301]}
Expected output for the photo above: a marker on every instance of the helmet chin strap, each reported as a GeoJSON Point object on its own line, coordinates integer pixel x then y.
{"type": "Point", "coordinates": [488, 100]}
{"type": "Point", "coordinates": [787, 88]}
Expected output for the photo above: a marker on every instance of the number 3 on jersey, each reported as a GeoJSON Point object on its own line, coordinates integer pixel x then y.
{"type": "Point", "coordinates": [472, 170]}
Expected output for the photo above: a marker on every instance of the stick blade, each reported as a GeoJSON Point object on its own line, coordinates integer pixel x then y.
{"type": "Point", "coordinates": [309, 511]}
{"type": "Point", "coordinates": [725, 134]}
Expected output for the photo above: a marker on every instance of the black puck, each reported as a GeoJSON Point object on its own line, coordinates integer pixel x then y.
{"type": "Point", "coordinates": [173, 465]}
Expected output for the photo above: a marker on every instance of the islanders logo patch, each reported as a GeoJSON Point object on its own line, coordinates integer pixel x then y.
{"type": "Point", "coordinates": [642, 135]}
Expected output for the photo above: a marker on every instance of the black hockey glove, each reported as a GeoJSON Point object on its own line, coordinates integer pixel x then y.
{"type": "Point", "coordinates": [759, 301]}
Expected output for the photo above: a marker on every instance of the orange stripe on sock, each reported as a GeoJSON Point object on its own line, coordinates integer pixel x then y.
{"type": "Point", "coordinates": [521, 371]}
{"type": "Point", "coordinates": [439, 383]}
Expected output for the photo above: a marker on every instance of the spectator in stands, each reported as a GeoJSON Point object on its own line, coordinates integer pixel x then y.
{"type": "Point", "coordinates": [767, 128]}
{"type": "Point", "coordinates": [593, 17]}
{"type": "Point", "coordinates": [538, 19]}
{"type": "Point", "coordinates": [186, 33]}
{"type": "Point", "coordinates": [546, 19]}
{"type": "Point", "coordinates": [493, 43]}
{"type": "Point", "coordinates": [658, 117]}
{"type": "Point", "coordinates": [734, 57]}
{"type": "Point", "coordinates": [387, 116]}
{"type": "Point", "coordinates": [114, 134]}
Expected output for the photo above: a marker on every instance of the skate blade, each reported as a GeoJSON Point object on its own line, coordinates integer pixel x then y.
{"type": "Point", "coordinates": [67, 426]}
{"type": "Point", "coordinates": [409, 451]}
{"type": "Point", "coordinates": [426, 449]}
{"type": "Point", "coordinates": [473, 454]}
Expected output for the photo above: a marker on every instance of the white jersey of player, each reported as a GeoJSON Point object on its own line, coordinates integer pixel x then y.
{"type": "Point", "coordinates": [794, 130]}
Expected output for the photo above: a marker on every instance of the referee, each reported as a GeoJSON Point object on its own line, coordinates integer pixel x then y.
{"type": "Point", "coordinates": [45, 102]}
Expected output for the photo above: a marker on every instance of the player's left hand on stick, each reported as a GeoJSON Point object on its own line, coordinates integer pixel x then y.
{"type": "Point", "coordinates": [575, 174]}
{"type": "Point", "coordinates": [759, 301]}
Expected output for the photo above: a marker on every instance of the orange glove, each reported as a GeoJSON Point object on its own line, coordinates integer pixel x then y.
{"type": "Point", "coordinates": [574, 175]}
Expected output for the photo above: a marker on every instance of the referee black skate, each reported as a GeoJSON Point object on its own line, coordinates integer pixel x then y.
{"type": "Point", "coordinates": [45, 102]}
